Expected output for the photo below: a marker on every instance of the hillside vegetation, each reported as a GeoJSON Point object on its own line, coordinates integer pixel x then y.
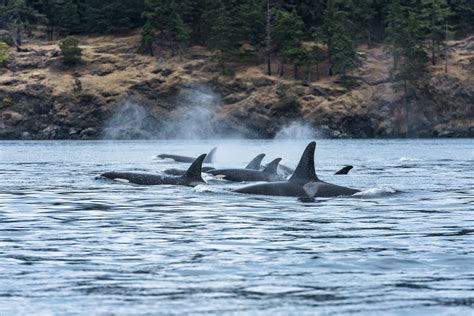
{"type": "Point", "coordinates": [40, 98]}
{"type": "Point", "coordinates": [349, 68]}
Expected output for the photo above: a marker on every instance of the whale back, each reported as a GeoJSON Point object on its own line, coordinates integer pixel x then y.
{"type": "Point", "coordinates": [255, 163]}
{"type": "Point", "coordinates": [210, 156]}
{"type": "Point", "coordinates": [193, 174]}
{"type": "Point", "coordinates": [272, 167]}
{"type": "Point", "coordinates": [305, 172]}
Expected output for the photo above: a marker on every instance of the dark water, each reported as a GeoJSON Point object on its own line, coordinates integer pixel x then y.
{"type": "Point", "coordinates": [71, 244]}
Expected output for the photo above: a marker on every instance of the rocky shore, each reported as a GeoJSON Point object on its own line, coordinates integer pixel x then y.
{"type": "Point", "coordinates": [117, 93]}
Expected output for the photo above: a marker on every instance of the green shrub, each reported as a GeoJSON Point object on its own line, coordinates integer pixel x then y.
{"type": "Point", "coordinates": [70, 50]}
{"type": "Point", "coordinates": [4, 52]}
{"type": "Point", "coordinates": [8, 101]}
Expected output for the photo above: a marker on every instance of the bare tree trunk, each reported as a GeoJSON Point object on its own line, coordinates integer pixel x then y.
{"type": "Point", "coordinates": [433, 57]}
{"type": "Point", "coordinates": [15, 31]}
{"type": "Point", "coordinates": [446, 50]}
{"type": "Point", "coordinates": [295, 68]}
{"type": "Point", "coordinates": [330, 58]}
{"type": "Point", "coordinates": [369, 39]}
{"type": "Point", "coordinates": [317, 71]}
{"type": "Point", "coordinates": [268, 40]}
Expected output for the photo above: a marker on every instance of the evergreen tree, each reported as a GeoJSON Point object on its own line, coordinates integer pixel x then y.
{"type": "Point", "coordinates": [316, 57]}
{"type": "Point", "coordinates": [435, 14]}
{"type": "Point", "coordinates": [364, 17]}
{"type": "Point", "coordinates": [62, 16]}
{"type": "Point", "coordinates": [250, 21]}
{"type": "Point", "coordinates": [222, 36]}
{"type": "Point", "coordinates": [147, 38]}
{"type": "Point", "coordinates": [463, 16]}
{"type": "Point", "coordinates": [164, 16]}
{"type": "Point", "coordinates": [70, 50]}
{"type": "Point", "coordinates": [110, 16]}
{"type": "Point", "coordinates": [288, 35]}
{"type": "Point", "coordinates": [405, 42]}
{"type": "Point", "coordinates": [336, 33]}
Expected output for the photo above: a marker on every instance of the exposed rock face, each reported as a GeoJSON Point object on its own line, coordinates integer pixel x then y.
{"type": "Point", "coordinates": [40, 99]}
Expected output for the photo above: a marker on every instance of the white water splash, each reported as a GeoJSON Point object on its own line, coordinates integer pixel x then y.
{"type": "Point", "coordinates": [409, 159]}
{"type": "Point", "coordinates": [298, 130]}
{"type": "Point", "coordinates": [377, 192]}
{"type": "Point", "coordinates": [203, 188]}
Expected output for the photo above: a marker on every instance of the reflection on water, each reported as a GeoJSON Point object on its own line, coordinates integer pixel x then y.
{"type": "Point", "coordinates": [70, 243]}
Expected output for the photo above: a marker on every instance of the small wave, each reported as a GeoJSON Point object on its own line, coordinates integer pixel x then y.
{"type": "Point", "coordinates": [203, 188]}
{"type": "Point", "coordinates": [373, 192]}
{"type": "Point", "coordinates": [409, 159]}
{"type": "Point", "coordinates": [161, 160]}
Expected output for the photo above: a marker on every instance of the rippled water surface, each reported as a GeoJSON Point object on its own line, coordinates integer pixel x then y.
{"type": "Point", "coordinates": [73, 244]}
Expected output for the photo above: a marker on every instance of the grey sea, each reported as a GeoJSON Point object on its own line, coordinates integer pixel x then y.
{"type": "Point", "coordinates": [72, 244]}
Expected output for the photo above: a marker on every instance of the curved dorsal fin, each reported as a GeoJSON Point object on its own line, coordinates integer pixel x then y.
{"type": "Point", "coordinates": [210, 156]}
{"type": "Point", "coordinates": [345, 170]}
{"type": "Point", "coordinates": [272, 167]}
{"type": "Point", "coordinates": [194, 172]}
{"type": "Point", "coordinates": [255, 163]}
{"type": "Point", "coordinates": [305, 170]}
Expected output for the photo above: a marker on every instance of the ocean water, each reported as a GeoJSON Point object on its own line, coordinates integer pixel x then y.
{"type": "Point", "coordinates": [73, 244]}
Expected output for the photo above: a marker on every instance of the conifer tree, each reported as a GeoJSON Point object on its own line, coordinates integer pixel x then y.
{"type": "Point", "coordinates": [222, 37]}
{"type": "Point", "coordinates": [463, 16]}
{"type": "Point", "coordinates": [336, 33]}
{"type": "Point", "coordinates": [435, 14]}
{"type": "Point", "coordinates": [363, 16]}
{"type": "Point", "coordinates": [288, 34]}
{"type": "Point", "coordinates": [147, 38]}
{"type": "Point", "coordinates": [164, 16]}
{"type": "Point", "coordinates": [405, 42]}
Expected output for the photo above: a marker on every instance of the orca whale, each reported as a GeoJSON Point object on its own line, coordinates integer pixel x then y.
{"type": "Point", "coordinates": [284, 170]}
{"type": "Point", "coordinates": [240, 175]}
{"type": "Point", "coordinates": [344, 170]}
{"type": "Point", "coordinates": [254, 164]}
{"type": "Point", "coordinates": [178, 158]}
{"type": "Point", "coordinates": [192, 177]}
{"type": "Point", "coordinates": [304, 182]}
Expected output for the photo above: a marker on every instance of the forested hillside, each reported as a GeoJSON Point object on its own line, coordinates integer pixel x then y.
{"type": "Point", "coordinates": [414, 30]}
{"type": "Point", "coordinates": [374, 52]}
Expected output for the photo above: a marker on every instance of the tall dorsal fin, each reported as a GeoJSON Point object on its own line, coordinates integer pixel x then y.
{"type": "Point", "coordinates": [305, 170]}
{"type": "Point", "coordinates": [194, 172]}
{"type": "Point", "coordinates": [272, 167]}
{"type": "Point", "coordinates": [210, 156]}
{"type": "Point", "coordinates": [255, 163]}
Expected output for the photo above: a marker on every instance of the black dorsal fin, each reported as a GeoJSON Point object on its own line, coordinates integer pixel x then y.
{"type": "Point", "coordinates": [194, 172]}
{"type": "Point", "coordinates": [210, 156]}
{"type": "Point", "coordinates": [255, 163]}
{"type": "Point", "coordinates": [305, 170]}
{"type": "Point", "coordinates": [272, 167]}
{"type": "Point", "coordinates": [345, 170]}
